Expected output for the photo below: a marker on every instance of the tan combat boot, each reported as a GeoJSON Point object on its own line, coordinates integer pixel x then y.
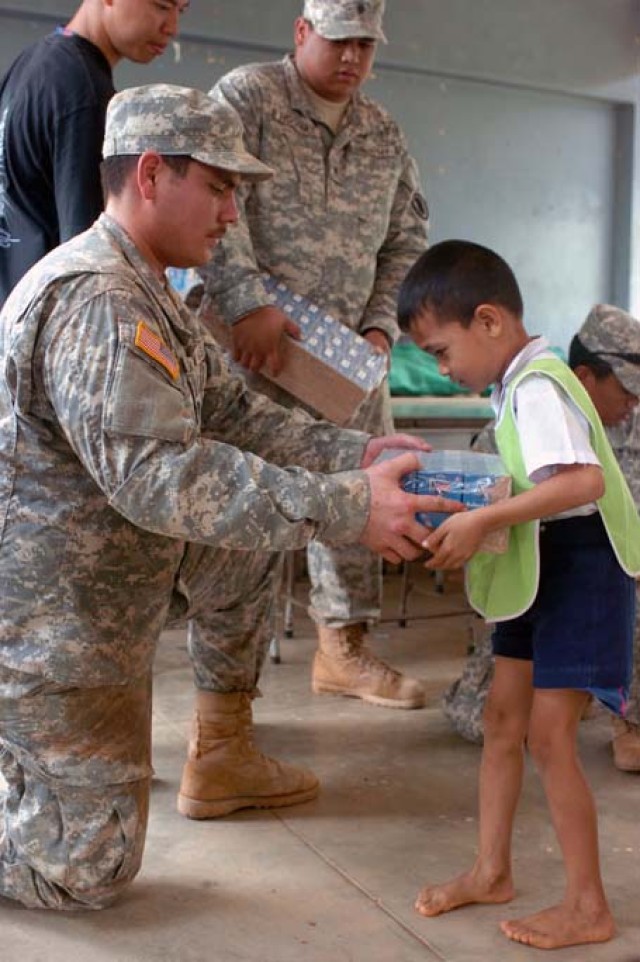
{"type": "Point", "coordinates": [626, 745]}
{"type": "Point", "coordinates": [345, 666]}
{"type": "Point", "coordinates": [225, 771]}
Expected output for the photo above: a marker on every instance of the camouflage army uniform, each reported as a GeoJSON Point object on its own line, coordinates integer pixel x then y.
{"type": "Point", "coordinates": [125, 506]}
{"type": "Point", "coordinates": [341, 222]}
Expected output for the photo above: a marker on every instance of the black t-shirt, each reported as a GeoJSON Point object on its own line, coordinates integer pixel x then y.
{"type": "Point", "coordinates": [53, 103]}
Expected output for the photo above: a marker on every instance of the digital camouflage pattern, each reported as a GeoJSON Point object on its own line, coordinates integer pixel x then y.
{"type": "Point", "coordinates": [342, 19]}
{"type": "Point", "coordinates": [341, 222]}
{"type": "Point", "coordinates": [463, 701]}
{"type": "Point", "coordinates": [625, 441]}
{"type": "Point", "coordinates": [178, 121]}
{"type": "Point", "coordinates": [126, 506]}
{"type": "Point", "coordinates": [609, 333]}
{"type": "Point", "coordinates": [341, 225]}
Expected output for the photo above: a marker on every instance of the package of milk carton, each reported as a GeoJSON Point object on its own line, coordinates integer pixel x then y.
{"type": "Point", "coordinates": [331, 369]}
{"type": "Point", "coordinates": [471, 477]}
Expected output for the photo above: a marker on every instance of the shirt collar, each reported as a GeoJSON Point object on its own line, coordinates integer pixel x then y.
{"type": "Point", "coordinates": [534, 349]}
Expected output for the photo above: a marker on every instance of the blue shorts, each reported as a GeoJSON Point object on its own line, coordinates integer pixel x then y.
{"type": "Point", "coordinates": [579, 630]}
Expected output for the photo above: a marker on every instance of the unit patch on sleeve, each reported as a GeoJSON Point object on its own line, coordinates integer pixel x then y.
{"type": "Point", "coordinates": [149, 342]}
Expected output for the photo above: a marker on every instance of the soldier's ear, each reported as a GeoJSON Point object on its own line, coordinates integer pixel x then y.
{"type": "Point", "coordinates": [301, 29]}
{"type": "Point", "coordinates": [584, 374]}
{"type": "Point", "coordinates": [148, 168]}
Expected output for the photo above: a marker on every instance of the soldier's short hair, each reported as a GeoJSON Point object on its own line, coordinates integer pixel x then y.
{"type": "Point", "coordinates": [114, 171]}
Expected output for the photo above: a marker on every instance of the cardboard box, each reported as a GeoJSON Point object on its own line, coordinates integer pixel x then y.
{"type": "Point", "coordinates": [331, 369]}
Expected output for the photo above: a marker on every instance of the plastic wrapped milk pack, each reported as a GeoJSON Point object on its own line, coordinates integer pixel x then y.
{"type": "Point", "coordinates": [474, 478]}
{"type": "Point", "coordinates": [328, 339]}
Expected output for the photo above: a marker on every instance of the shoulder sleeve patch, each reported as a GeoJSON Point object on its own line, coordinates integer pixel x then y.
{"type": "Point", "coordinates": [149, 342]}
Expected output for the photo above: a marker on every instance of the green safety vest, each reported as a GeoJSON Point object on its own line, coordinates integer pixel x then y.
{"type": "Point", "coordinates": [504, 586]}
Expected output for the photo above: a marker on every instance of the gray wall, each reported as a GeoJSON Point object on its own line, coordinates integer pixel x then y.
{"type": "Point", "coordinates": [521, 114]}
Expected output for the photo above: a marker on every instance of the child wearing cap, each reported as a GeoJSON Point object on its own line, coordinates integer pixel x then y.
{"type": "Point", "coordinates": [562, 597]}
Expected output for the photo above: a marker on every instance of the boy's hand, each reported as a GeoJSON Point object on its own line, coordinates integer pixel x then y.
{"type": "Point", "coordinates": [392, 529]}
{"type": "Point", "coordinates": [456, 540]}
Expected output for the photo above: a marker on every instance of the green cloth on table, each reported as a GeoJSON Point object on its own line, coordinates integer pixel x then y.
{"type": "Point", "coordinates": [414, 373]}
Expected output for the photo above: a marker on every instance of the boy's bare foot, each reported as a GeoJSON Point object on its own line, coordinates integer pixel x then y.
{"type": "Point", "coordinates": [560, 926]}
{"type": "Point", "coordinates": [464, 890]}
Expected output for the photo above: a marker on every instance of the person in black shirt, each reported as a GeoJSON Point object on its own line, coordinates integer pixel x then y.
{"type": "Point", "coordinates": [53, 102]}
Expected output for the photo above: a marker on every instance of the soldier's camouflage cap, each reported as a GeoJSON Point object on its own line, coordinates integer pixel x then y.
{"type": "Point", "coordinates": [179, 121]}
{"type": "Point", "coordinates": [614, 336]}
{"type": "Point", "coordinates": [343, 19]}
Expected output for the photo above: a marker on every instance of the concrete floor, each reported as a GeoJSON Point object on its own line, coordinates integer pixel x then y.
{"type": "Point", "coordinates": [334, 880]}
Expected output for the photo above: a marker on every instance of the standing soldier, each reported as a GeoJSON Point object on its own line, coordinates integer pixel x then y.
{"type": "Point", "coordinates": [341, 223]}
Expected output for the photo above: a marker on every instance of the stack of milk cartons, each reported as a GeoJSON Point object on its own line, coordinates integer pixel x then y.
{"type": "Point", "coordinates": [474, 478]}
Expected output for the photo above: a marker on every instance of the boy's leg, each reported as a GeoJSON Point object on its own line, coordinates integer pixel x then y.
{"type": "Point", "coordinates": [506, 720]}
{"type": "Point", "coordinates": [583, 916]}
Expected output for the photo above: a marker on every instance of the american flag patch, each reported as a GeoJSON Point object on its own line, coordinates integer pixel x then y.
{"type": "Point", "coordinates": [149, 342]}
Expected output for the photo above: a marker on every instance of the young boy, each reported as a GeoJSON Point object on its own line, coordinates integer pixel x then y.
{"type": "Point", "coordinates": [605, 357]}
{"type": "Point", "coordinates": [562, 597]}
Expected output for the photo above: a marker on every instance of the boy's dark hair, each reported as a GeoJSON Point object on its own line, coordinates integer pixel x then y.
{"type": "Point", "coordinates": [452, 278]}
{"type": "Point", "coordinates": [581, 355]}
{"type": "Point", "coordinates": [115, 170]}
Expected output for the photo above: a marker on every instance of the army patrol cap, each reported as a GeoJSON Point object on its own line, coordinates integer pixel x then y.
{"type": "Point", "coordinates": [343, 19]}
{"type": "Point", "coordinates": [614, 336]}
{"type": "Point", "coordinates": [179, 121]}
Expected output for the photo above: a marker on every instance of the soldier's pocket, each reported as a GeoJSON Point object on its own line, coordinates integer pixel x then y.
{"type": "Point", "coordinates": [143, 400]}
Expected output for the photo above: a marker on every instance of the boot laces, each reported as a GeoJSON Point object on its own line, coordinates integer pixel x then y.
{"type": "Point", "coordinates": [364, 656]}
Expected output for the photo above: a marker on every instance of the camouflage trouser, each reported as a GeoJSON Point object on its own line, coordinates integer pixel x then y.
{"type": "Point", "coordinates": [346, 581]}
{"type": "Point", "coordinates": [463, 702]}
{"type": "Point", "coordinates": [76, 762]}
{"type": "Point", "coordinates": [76, 770]}
{"type": "Point", "coordinates": [228, 599]}
{"type": "Point", "coordinates": [633, 709]}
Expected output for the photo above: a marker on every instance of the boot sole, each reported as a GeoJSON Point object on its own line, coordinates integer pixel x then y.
{"type": "Point", "coordinates": [193, 808]}
{"type": "Point", "coordinates": [406, 703]}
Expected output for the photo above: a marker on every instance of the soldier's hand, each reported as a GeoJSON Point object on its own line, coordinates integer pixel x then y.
{"type": "Point", "coordinates": [379, 340]}
{"type": "Point", "coordinates": [392, 529]}
{"type": "Point", "coordinates": [259, 339]}
{"type": "Point", "coordinates": [377, 445]}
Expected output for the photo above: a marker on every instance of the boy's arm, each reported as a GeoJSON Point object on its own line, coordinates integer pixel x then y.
{"type": "Point", "coordinates": [458, 538]}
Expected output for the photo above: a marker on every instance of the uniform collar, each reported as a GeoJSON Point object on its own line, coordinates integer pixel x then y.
{"type": "Point", "coordinates": [169, 302]}
{"type": "Point", "coordinates": [356, 115]}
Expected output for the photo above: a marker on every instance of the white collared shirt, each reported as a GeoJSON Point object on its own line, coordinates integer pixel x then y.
{"type": "Point", "coordinates": [553, 431]}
